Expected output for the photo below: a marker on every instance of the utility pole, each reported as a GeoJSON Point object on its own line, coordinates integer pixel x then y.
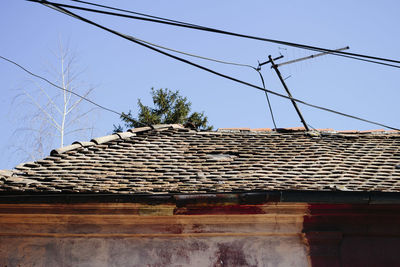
{"type": "Point", "coordinates": [275, 67]}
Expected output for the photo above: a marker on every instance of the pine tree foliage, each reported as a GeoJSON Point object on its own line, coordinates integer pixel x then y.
{"type": "Point", "coordinates": [169, 107]}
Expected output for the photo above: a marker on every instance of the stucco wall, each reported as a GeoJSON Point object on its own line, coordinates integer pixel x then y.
{"type": "Point", "coordinates": [120, 235]}
{"type": "Point", "coordinates": [153, 251]}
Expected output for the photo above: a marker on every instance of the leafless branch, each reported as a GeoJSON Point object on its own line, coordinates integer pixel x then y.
{"type": "Point", "coordinates": [78, 130]}
{"type": "Point", "coordinates": [51, 117]}
{"type": "Point", "coordinates": [48, 97]}
{"type": "Point", "coordinates": [75, 119]}
{"type": "Point", "coordinates": [77, 102]}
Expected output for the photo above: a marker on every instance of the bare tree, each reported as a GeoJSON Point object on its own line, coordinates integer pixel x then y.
{"type": "Point", "coordinates": [48, 115]}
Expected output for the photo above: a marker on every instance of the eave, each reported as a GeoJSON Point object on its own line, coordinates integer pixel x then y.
{"type": "Point", "coordinates": [236, 198]}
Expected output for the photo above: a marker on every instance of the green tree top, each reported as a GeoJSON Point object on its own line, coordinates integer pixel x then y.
{"type": "Point", "coordinates": [169, 107]}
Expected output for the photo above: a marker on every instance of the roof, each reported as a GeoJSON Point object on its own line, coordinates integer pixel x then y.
{"type": "Point", "coordinates": [166, 159]}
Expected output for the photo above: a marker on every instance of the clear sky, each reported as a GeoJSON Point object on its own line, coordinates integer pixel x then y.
{"type": "Point", "coordinates": [122, 71]}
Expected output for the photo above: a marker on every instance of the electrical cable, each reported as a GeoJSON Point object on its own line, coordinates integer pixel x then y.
{"type": "Point", "coordinates": [69, 91]}
{"type": "Point", "coordinates": [167, 48]}
{"type": "Point", "coordinates": [372, 59]}
{"type": "Point", "coordinates": [67, 12]}
{"type": "Point", "coordinates": [133, 12]}
{"type": "Point", "coordinates": [309, 125]}
{"type": "Point", "coordinates": [368, 60]}
{"type": "Point", "coordinates": [193, 55]}
{"type": "Point", "coordinates": [214, 60]}
{"type": "Point", "coordinates": [266, 94]}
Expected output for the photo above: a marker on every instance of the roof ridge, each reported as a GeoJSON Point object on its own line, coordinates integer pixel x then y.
{"type": "Point", "coordinates": [302, 129]}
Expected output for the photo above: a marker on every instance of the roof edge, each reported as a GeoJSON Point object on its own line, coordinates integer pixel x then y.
{"type": "Point", "coordinates": [241, 198]}
{"type": "Point", "coordinates": [107, 138]}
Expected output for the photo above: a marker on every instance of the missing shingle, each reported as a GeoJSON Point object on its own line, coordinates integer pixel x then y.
{"type": "Point", "coordinates": [397, 166]}
{"type": "Point", "coordinates": [222, 156]}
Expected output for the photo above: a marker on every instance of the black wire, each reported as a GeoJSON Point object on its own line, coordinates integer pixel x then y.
{"type": "Point", "coordinates": [194, 55]}
{"type": "Point", "coordinates": [197, 27]}
{"type": "Point", "coordinates": [266, 94]}
{"type": "Point", "coordinates": [166, 48]}
{"type": "Point", "coordinates": [60, 9]}
{"type": "Point", "coordinates": [360, 59]}
{"type": "Point", "coordinates": [136, 13]}
{"type": "Point", "coordinates": [69, 91]}
{"type": "Point", "coordinates": [309, 125]}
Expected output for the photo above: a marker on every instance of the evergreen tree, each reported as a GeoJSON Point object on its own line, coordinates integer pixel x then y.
{"type": "Point", "coordinates": [169, 107]}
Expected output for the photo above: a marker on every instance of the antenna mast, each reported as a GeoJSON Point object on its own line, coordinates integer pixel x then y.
{"type": "Point", "coordinates": [275, 67]}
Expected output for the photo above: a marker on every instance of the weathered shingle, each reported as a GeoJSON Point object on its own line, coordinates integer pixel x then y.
{"type": "Point", "coordinates": [172, 159]}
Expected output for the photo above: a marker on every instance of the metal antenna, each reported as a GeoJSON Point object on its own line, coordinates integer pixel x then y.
{"type": "Point", "coordinates": [275, 67]}
{"type": "Point", "coordinates": [310, 57]}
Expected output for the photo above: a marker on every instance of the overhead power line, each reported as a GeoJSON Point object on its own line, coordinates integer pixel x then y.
{"type": "Point", "coordinates": [170, 49]}
{"type": "Point", "coordinates": [62, 10]}
{"type": "Point", "coordinates": [69, 91]}
{"type": "Point", "coordinates": [266, 95]}
{"type": "Point", "coordinates": [194, 55]}
{"type": "Point", "coordinates": [356, 56]}
{"type": "Point", "coordinates": [133, 12]}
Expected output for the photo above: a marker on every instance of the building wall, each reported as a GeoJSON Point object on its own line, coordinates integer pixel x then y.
{"type": "Point", "coordinates": [154, 251]}
{"type": "Point", "coordinates": [353, 234]}
{"type": "Point", "coordinates": [161, 235]}
{"type": "Point", "coordinates": [269, 234]}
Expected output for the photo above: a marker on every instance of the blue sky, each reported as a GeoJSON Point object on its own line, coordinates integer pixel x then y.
{"type": "Point", "coordinates": [122, 71]}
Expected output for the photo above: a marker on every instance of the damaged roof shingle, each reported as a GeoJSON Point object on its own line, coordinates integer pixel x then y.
{"type": "Point", "coordinates": [173, 159]}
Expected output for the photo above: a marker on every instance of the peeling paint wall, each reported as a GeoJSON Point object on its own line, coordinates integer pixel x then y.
{"type": "Point", "coordinates": [153, 251]}
{"type": "Point", "coordinates": [120, 235]}
{"type": "Point", "coordinates": [199, 233]}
